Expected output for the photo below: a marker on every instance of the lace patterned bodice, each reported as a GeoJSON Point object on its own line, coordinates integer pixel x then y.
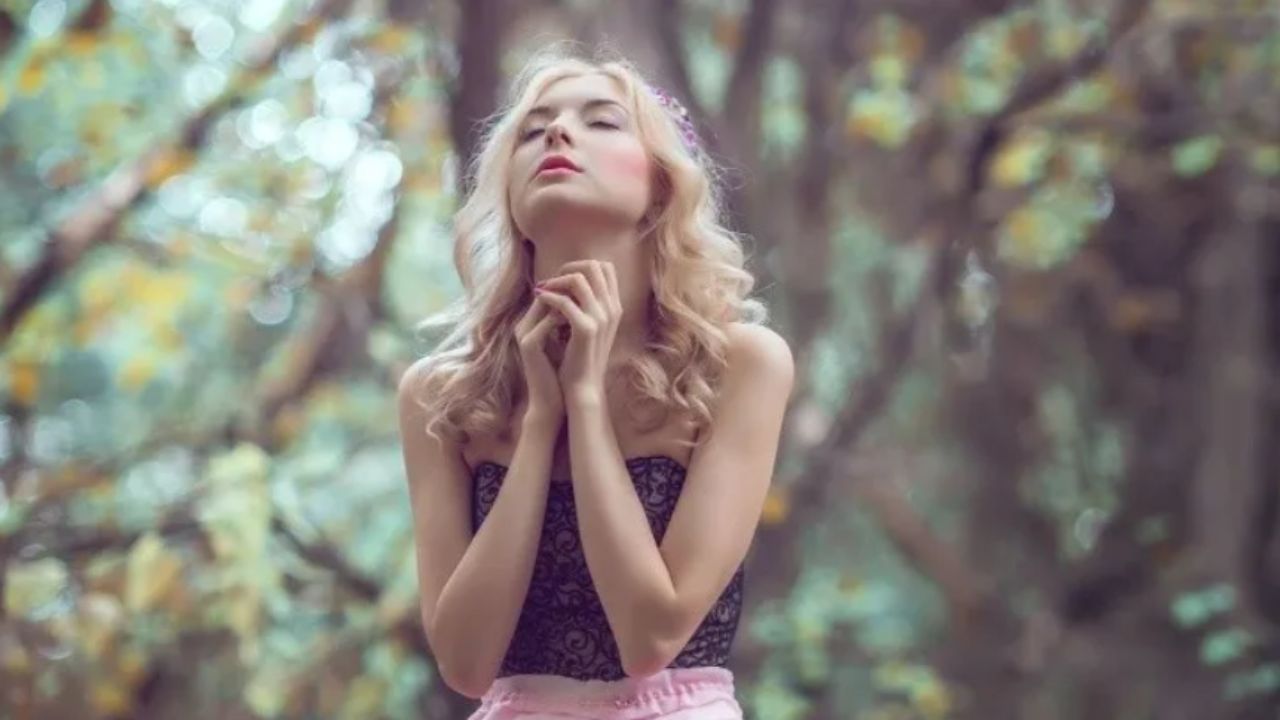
{"type": "Point", "coordinates": [562, 629]}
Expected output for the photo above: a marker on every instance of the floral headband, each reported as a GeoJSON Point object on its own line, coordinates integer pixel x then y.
{"type": "Point", "coordinates": [687, 131]}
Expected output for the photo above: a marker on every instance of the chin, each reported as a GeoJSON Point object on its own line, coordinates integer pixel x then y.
{"type": "Point", "coordinates": [554, 215]}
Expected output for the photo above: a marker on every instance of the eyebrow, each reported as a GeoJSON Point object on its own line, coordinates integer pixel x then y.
{"type": "Point", "coordinates": [588, 105]}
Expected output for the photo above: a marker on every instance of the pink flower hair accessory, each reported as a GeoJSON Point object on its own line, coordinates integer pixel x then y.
{"type": "Point", "coordinates": [685, 121]}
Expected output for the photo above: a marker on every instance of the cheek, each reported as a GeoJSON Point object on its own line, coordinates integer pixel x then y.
{"type": "Point", "coordinates": [628, 164]}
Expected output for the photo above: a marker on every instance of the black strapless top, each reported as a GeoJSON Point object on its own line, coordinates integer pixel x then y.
{"type": "Point", "coordinates": [562, 628]}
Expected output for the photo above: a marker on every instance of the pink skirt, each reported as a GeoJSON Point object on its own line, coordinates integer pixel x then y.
{"type": "Point", "coordinates": [702, 693]}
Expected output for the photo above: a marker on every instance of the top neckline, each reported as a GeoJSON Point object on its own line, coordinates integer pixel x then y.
{"type": "Point", "coordinates": [631, 463]}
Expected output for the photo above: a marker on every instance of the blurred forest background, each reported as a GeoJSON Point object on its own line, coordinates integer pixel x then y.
{"type": "Point", "coordinates": [1027, 255]}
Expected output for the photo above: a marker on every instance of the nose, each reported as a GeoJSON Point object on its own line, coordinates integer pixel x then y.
{"type": "Point", "coordinates": [556, 134]}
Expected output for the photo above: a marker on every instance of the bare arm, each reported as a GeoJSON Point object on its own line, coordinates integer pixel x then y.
{"type": "Point", "coordinates": [656, 595]}
{"type": "Point", "coordinates": [473, 588]}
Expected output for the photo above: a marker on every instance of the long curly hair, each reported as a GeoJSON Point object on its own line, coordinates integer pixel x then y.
{"type": "Point", "coordinates": [470, 382]}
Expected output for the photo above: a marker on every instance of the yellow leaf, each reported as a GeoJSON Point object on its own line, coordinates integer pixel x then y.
{"type": "Point", "coordinates": [363, 698]}
{"type": "Point", "coordinates": [885, 115]}
{"type": "Point", "coordinates": [776, 507]}
{"type": "Point", "coordinates": [137, 372]}
{"type": "Point", "coordinates": [1064, 39]}
{"type": "Point", "coordinates": [99, 290]}
{"type": "Point", "coordinates": [392, 39]}
{"type": "Point", "coordinates": [170, 162]}
{"type": "Point", "coordinates": [31, 79]}
{"type": "Point", "coordinates": [129, 46]}
{"type": "Point", "coordinates": [158, 293]}
{"type": "Point", "coordinates": [168, 336]}
{"type": "Point", "coordinates": [80, 43]}
{"type": "Point", "coordinates": [869, 125]}
{"type": "Point", "coordinates": [109, 698]}
{"type": "Point", "coordinates": [24, 382]}
{"type": "Point", "coordinates": [1022, 159]}
{"type": "Point", "coordinates": [153, 570]}
{"type": "Point", "coordinates": [28, 586]}
{"type": "Point", "coordinates": [99, 623]}
{"type": "Point", "coordinates": [933, 701]}
{"type": "Point", "coordinates": [1024, 235]}
{"type": "Point", "coordinates": [263, 693]}
{"type": "Point", "coordinates": [131, 665]}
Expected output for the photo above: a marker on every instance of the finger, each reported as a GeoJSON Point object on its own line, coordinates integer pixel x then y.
{"type": "Point", "coordinates": [590, 295]}
{"type": "Point", "coordinates": [567, 307]}
{"type": "Point", "coordinates": [611, 276]}
{"type": "Point", "coordinates": [542, 329]}
{"type": "Point", "coordinates": [600, 286]}
{"type": "Point", "coordinates": [536, 310]}
{"type": "Point", "coordinates": [536, 339]}
{"type": "Point", "coordinates": [539, 311]}
{"type": "Point", "coordinates": [579, 288]}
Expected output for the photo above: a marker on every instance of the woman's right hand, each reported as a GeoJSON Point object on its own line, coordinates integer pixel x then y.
{"type": "Point", "coordinates": [538, 324]}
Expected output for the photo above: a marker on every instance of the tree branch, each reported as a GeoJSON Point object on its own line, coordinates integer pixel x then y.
{"type": "Point", "coordinates": [90, 223]}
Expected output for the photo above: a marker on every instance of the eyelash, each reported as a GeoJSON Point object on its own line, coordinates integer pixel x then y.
{"type": "Point", "coordinates": [532, 133]}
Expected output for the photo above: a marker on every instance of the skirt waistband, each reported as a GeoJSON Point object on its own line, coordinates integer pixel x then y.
{"type": "Point", "coordinates": [614, 693]}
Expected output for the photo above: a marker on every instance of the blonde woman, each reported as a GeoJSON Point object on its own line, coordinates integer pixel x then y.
{"type": "Point", "coordinates": [589, 448]}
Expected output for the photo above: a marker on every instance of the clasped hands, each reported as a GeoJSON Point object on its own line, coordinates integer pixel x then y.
{"type": "Point", "coordinates": [585, 294]}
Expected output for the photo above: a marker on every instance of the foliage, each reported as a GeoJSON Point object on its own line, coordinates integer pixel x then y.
{"type": "Point", "coordinates": [212, 258]}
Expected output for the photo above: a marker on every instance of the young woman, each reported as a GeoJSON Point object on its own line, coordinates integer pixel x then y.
{"type": "Point", "coordinates": [589, 449]}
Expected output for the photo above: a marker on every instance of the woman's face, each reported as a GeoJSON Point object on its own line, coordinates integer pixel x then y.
{"type": "Point", "coordinates": [585, 120]}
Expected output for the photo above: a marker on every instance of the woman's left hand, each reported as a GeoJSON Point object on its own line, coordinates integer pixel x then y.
{"type": "Point", "coordinates": [586, 294]}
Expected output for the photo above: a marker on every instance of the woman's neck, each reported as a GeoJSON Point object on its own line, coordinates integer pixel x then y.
{"type": "Point", "coordinates": [631, 262]}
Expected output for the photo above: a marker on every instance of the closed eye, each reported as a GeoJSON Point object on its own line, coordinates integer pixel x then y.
{"type": "Point", "coordinates": [531, 134]}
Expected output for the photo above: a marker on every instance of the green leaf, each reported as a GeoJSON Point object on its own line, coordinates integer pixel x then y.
{"type": "Point", "coordinates": [1265, 160]}
{"type": "Point", "coordinates": [1196, 156]}
{"type": "Point", "coordinates": [884, 115]}
{"type": "Point", "coordinates": [31, 587]}
{"type": "Point", "coordinates": [1224, 646]}
{"type": "Point", "coordinates": [12, 515]}
{"type": "Point", "coordinates": [1190, 610]}
{"type": "Point", "coordinates": [889, 71]}
{"type": "Point", "coordinates": [153, 571]}
{"type": "Point", "coordinates": [263, 691]}
{"type": "Point", "coordinates": [1023, 158]}
{"type": "Point", "coordinates": [1260, 681]}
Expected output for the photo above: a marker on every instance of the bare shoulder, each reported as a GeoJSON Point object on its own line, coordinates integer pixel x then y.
{"type": "Point", "coordinates": [414, 396]}
{"type": "Point", "coordinates": [426, 454]}
{"type": "Point", "coordinates": [409, 390]}
{"type": "Point", "coordinates": [414, 386]}
{"type": "Point", "coordinates": [758, 352]}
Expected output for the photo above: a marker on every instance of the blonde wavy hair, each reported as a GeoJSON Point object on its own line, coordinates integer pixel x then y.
{"type": "Point", "coordinates": [469, 383]}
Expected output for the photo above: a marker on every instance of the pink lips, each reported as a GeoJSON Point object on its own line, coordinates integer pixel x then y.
{"type": "Point", "coordinates": [556, 162]}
